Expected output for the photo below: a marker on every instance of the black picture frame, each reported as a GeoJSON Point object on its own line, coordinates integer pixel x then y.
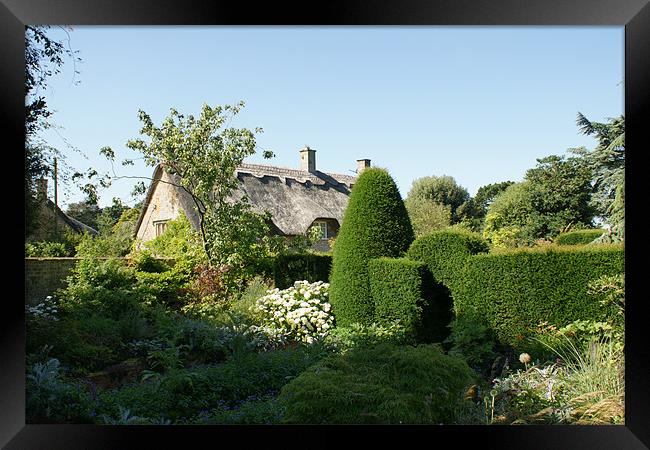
{"type": "Point", "coordinates": [634, 15]}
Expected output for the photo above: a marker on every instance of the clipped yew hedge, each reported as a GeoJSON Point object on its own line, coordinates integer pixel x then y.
{"type": "Point", "coordinates": [375, 224]}
{"type": "Point", "coordinates": [515, 291]}
{"type": "Point", "coordinates": [445, 253]}
{"type": "Point", "coordinates": [403, 290]}
{"type": "Point", "coordinates": [290, 268]}
{"type": "Point", "coordinates": [578, 237]}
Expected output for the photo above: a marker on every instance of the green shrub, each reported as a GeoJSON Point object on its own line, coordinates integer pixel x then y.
{"type": "Point", "coordinates": [343, 339]}
{"type": "Point", "coordinates": [375, 224]}
{"type": "Point", "coordinates": [181, 394]}
{"type": "Point", "coordinates": [404, 291]}
{"type": "Point", "coordinates": [179, 241]}
{"type": "Point", "coordinates": [446, 252]}
{"type": "Point", "coordinates": [578, 237]}
{"type": "Point", "coordinates": [51, 399]}
{"type": "Point", "coordinates": [264, 410]}
{"type": "Point", "coordinates": [203, 342]}
{"type": "Point", "coordinates": [84, 344]}
{"type": "Point", "coordinates": [167, 288]}
{"type": "Point", "coordinates": [472, 339]}
{"type": "Point", "coordinates": [263, 268]}
{"type": "Point", "coordinates": [297, 267]}
{"type": "Point", "coordinates": [104, 287]}
{"type": "Point", "coordinates": [115, 241]}
{"type": "Point", "coordinates": [515, 291]}
{"type": "Point", "coordinates": [246, 303]}
{"type": "Point", "coordinates": [46, 249]}
{"type": "Point", "coordinates": [145, 261]}
{"type": "Point", "coordinates": [386, 384]}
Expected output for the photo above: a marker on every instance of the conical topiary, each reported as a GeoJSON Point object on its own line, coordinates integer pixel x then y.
{"type": "Point", "coordinates": [375, 224]}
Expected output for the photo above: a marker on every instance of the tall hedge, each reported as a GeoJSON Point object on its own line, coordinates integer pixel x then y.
{"type": "Point", "coordinates": [375, 224]}
{"type": "Point", "coordinates": [517, 290]}
{"type": "Point", "coordinates": [578, 237]}
{"type": "Point", "coordinates": [403, 290]}
{"type": "Point", "coordinates": [290, 268]}
{"type": "Point", "coordinates": [446, 252]}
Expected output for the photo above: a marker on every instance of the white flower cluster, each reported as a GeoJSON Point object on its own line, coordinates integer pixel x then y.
{"type": "Point", "coordinates": [46, 309]}
{"type": "Point", "coordinates": [301, 310]}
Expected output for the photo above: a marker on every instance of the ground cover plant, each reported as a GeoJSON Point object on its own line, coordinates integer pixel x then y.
{"type": "Point", "coordinates": [107, 349]}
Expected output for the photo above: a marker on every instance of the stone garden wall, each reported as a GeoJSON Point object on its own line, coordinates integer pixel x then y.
{"type": "Point", "coordinates": [43, 276]}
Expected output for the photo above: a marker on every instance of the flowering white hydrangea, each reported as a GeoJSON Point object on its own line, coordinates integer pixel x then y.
{"type": "Point", "coordinates": [302, 310]}
{"type": "Point", "coordinates": [47, 309]}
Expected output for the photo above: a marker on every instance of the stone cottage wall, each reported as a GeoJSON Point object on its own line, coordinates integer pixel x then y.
{"type": "Point", "coordinates": [165, 204]}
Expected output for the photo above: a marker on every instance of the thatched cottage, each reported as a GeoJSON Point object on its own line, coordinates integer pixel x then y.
{"type": "Point", "coordinates": [297, 199]}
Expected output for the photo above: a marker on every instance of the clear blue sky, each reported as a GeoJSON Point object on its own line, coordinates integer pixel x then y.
{"type": "Point", "coordinates": [480, 104]}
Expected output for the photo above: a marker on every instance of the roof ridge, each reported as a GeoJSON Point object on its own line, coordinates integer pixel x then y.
{"type": "Point", "coordinates": [302, 173]}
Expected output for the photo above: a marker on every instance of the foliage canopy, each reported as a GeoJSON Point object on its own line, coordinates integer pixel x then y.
{"type": "Point", "coordinates": [442, 190]}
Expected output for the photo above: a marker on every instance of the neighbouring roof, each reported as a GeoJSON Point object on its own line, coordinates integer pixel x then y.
{"type": "Point", "coordinates": [76, 225]}
{"type": "Point", "coordinates": [294, 198]}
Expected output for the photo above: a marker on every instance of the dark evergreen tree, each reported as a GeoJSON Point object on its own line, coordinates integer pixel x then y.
{"type": "Point", "coordinates": [607, 161]}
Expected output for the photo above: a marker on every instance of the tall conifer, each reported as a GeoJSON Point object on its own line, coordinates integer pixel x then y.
{"type": "Point", "coordinates": [375, 224]}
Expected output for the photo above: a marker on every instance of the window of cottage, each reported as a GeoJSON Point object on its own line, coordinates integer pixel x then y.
{"type": "Point", "coordinates": [160, 226]}
{"type": "Point", "coordinates": [323, 228]}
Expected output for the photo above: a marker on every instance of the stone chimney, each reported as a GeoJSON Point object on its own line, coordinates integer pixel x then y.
{"type": "Point", "coordinates": [41, 188]}
{"type": "Point", "coordinates": [308, 159]}
{"type": "Point", "coordinates": [362, 164]}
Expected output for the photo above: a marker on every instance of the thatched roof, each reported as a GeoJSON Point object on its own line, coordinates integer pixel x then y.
{"type": "Point", "coordinates": [73, 223]}
{"type": "Point", "coordinates": [294, 198]}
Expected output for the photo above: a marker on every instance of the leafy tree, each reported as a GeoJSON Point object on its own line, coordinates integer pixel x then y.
{"type": "Point", "coordinates": [110, 215]}
{"type": "Point", "coordinates": [201, 154]}
{"type": "Point", "coordinates": [35, 168]}
{"type": "Point", "coordinates": [115, 241]}
{"type": "Point", "coordinates": [427, 215]}
{"type": "Point", "coordinates": [85, 211]}
{"type": "Point", "coordinates": [44, 57]}
{"type": "Point", "coordinates": [46, 249]}
{"type": "Point", "coordinates": [508, 222]}
{"type": "Point", "coordinates": [607, 162]}
{"type": "Point", "coordinates": [553, 196]}
{"type": "Point", "coordinates": [375, 224]}
{"type": "Point", "coordinates": [562, 194]}
{"type": "Point", "coordinates": [486, 195]}
{"type": "Point", "coordinates": [472, 212]}
{"type": "Point", "coordinates": [180, 241]}
{"type": "Point", "coordinates": [443, 190]}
